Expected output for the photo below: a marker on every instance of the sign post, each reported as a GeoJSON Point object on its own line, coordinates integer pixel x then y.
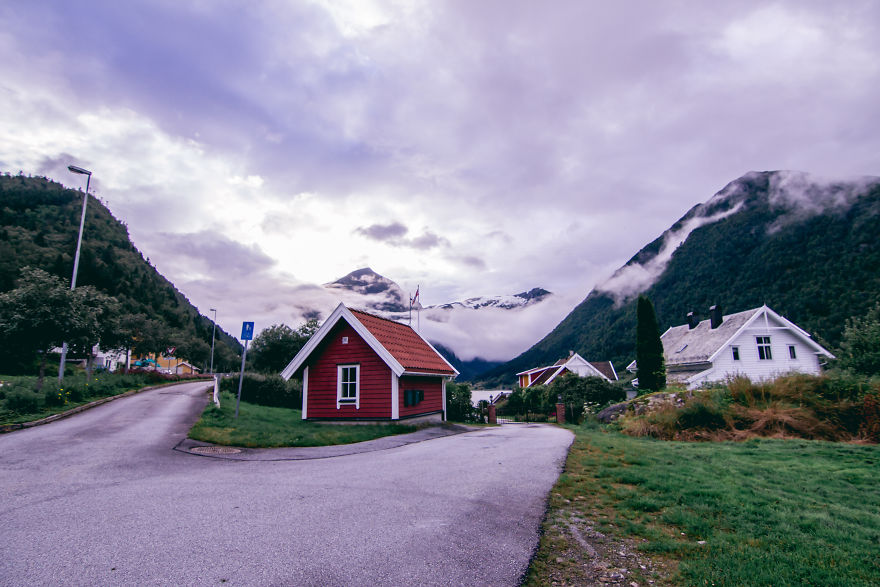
{"type": "Point", "coordinates": [247, 333]}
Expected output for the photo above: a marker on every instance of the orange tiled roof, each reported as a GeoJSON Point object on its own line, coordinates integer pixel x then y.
{"type": "Point", "coordinates": [407, 347]}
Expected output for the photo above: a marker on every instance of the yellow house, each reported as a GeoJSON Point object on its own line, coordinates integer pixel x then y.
{"type": "Point", "coordinates": [170, 364]}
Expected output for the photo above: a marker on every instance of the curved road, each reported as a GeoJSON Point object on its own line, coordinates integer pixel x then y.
{"type": "Point", "coordinates": [101, 498]}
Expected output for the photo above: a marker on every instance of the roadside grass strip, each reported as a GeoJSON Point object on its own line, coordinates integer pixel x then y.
{"type": "Point", "coordinates": [264, 427]}
{"type": "Point", "coordinates": [20, 402]}
{"type": "Point", "coordinates": [761, 512]}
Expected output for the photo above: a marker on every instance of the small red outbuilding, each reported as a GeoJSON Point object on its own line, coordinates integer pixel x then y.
{"type": "Point", "coordinates": [358, 366]}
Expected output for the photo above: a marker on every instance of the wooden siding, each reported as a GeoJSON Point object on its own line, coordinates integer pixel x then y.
{"type": "Point", "coordinates": [752, 366]}
{"type": "Point", "coordinates": [433, 402]}
{"type": "Point", "coordinates": [375, 377]}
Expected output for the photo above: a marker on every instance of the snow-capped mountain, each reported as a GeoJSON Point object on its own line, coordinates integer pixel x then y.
{"type": "Point", "coordinates": [367, 289]}
{"type": "Point", "coordinates": [533, 296]}
{"type": "Point", "coordinates": [489, 328]}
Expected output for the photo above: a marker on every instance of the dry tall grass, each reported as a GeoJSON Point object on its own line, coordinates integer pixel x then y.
{"type": "Point", "coordinates": [821, 407]}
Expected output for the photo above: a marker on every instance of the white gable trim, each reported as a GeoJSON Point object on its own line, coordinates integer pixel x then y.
{"type": "Point", "coordinates": [342, 313]}
{"type": "Point", "coordinates": [305, 409]}
{"type": "Point", "coordinates": [788, 324]}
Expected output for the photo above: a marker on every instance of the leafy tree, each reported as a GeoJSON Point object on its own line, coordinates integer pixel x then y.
{"type": "Point", "coordinates": [581, 393]}
{"type": "Point", "coordinates": [458, 402]}
{"type": "Point", "coordinates": [37, 316]}
{"type": "Point", "coordinates": [93, 322]}
{"type": "Point", "coordinates": [649, 349]}
{"type": "Point", "coordinates": [860, 348]}
{"type": "Point", "coordinates": [275, 346]}
{"type": "Point", "coordinates": [195, 351]}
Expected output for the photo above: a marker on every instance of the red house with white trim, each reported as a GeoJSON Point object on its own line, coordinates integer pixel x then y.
{"type": "Point", "coordinates": [358, 366]}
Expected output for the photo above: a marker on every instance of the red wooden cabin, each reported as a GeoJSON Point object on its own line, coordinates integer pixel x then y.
{"type": "Point", "coordinates": [358, 366]}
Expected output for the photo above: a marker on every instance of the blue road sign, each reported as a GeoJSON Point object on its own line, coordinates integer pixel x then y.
{"type": "Point", "coordinates": [247, 330]}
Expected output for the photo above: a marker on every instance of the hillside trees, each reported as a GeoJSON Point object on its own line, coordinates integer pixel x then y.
{"type": "Point", "coordinates": [649, 349]}
{"type": "Point", "coordinates": [39, 222]}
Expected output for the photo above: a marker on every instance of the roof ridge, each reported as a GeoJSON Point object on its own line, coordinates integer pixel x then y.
{"type": "Point", "coordinates": [365, 313]}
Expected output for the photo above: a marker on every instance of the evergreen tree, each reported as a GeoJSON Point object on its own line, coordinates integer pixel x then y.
{"type": "Point", "coordinates": [649, 349]}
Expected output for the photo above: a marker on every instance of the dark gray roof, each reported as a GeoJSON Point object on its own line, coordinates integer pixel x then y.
{"type": "Point", "coordinates": [684, 345]}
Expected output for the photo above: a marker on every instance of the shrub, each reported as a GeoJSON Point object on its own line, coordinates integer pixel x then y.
{"type": "Point", "coordinates": [266, 390]}
{"type": "Point", "coordinates": [23, 402]}
{"type": "Point", "coordinates": [53, 398]}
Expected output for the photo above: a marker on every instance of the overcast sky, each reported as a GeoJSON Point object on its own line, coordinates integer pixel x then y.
{"type": "Point", "coordinates": [472, 147]}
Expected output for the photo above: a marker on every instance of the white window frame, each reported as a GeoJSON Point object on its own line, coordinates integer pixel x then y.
{"type": "Point", "coordinates": [735, 353]}
{"type": "Point", "coordinates": [347, 401]}
{"type": "Point", "coordinates": [764, 348]}
{"type": "Point", "coordinates": [792, 352]}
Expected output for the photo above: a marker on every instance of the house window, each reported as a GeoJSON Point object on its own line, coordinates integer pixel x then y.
{"type": "Point", "coordinates": [344, 340]}
{"type": "Point", "coordinates": [347, 384]}
{"type": "Point", "coordinates": [413, 397]}
{"type": "Point", "coordinates": [791, 352]}
{"type": "Point", "coordinates": [764, 348]}
{"type": "Point", "coordinates": [736, 353]}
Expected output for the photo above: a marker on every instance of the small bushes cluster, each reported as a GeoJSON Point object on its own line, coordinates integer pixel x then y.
{"type": "Point", "coordinates": [266, 390]}
{"type": "Point", "coordinates": [826, 407]}
{"type": "Point", "coordinates": [19, 396]}
{"type": "Point", "coordinates": [580, 395]}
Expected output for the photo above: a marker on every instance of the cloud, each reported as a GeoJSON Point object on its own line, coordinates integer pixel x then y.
{"type": "Point", "coordinates": [209, 253]}
{"type": "Point", "coordinates": [635, 277]}
{"type": "Point", "coordinates": [383, 232]}
{"type": "Point", "coordinates": [395, 232]}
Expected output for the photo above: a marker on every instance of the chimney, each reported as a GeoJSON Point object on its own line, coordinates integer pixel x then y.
{"type": "Point", "coordinates": [692, 321]}
{"type": "Point", "coordinates": [570, 354]}
{"type": "Point", "coordinates": [715, 316]}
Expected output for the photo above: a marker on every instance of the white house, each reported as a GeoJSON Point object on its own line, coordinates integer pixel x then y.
{"type": "Point", "coordinates": [757, 343]}
{"type": "Point", "coordinates": [573, 363]}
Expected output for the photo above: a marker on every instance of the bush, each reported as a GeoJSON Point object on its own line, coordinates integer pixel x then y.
{"type": "Point", "coordinates": [266, 390]}
{"type": "Point", "coordinates": [23, 402]}
{"type": "Point", "coordinates": [53, 398]}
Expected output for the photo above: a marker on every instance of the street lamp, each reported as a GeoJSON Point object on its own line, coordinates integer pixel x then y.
{"type": "Point", "coordinates": [213, 329]}
{"type": "Point", "coordinates": [82, 223]}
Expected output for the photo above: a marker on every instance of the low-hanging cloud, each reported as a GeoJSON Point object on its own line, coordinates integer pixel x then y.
{"type": "Point", "coordinates": [634, 278]}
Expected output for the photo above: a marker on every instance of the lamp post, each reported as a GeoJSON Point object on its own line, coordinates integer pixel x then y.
{"type": "Point", "coordinates": [82, 223]}
{"type": "Point", "coordinates": [213, 330]}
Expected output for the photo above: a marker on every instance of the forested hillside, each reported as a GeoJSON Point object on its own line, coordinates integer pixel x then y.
{"type": "Point", "coordinates": [39, 222]}
{"type": "Point", "coordinates": [809, 251]}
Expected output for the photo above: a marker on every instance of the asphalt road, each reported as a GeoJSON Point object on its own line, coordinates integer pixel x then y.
{"type": "Point", "coordinates": [102, 499]}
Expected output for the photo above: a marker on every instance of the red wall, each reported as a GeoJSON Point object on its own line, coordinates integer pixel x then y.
{"type": "Point", "coordinates": [433, 402]}
{"type": "Point", "coordinates": [375, 377]}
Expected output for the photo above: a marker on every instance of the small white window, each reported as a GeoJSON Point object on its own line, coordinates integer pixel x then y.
{"type": "Point", "coordinates": [735, 353]}
{"type": "Point", "coordinates": [348, 383]}
{"type": "Point", "coordinates": [344, 340]}
{"type": "Point", "coordinates": [792, 353]}
{"type": "Point", "coordinates": [764, 352]}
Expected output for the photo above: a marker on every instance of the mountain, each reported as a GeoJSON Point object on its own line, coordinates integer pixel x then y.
{"type": "Point", "coordinates": [479, 332]}
{"type": "Point", "coordinates": [467, 370]}
{"type": "Point", "coordinates": [39, 225]}
{"type": "Point", "coordinates": [519, 300]}
{"type": "Point", "coordinates": [806, 247]}
{"type": "Point", "coordinates": [371, 290]}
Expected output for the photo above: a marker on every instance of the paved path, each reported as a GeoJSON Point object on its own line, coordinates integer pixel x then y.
{"type": "Point", "coordinates": [102, 498]}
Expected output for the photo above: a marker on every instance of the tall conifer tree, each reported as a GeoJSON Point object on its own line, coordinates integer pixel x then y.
{"type": "Point", "coordinates": [651, 368]}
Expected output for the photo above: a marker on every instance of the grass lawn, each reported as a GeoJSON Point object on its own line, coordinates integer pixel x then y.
{"type": "Point", "coordinates": [761, 512]}
{"type": "Point", "coordinates": [261, 426]}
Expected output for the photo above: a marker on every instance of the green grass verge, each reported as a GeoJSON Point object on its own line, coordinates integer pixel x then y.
{"type": "Point", "coordinates": [768, 512]}
{"type": "Point", "coordinates": [76, 390]}
{"type": "Point", "coordinates": [264, 427]}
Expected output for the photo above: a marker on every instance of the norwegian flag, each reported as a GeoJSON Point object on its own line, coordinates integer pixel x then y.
{"type": "Point", "coordinates": [413, 300]}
